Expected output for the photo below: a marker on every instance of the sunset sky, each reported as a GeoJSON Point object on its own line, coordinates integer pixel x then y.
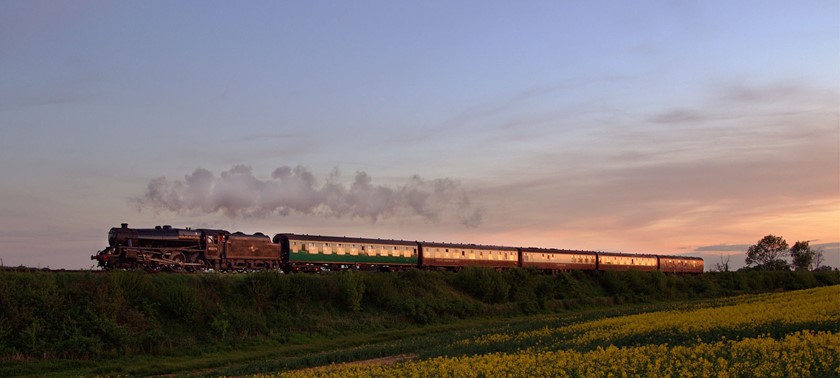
{"type": "Point", "coordinates": [669, 127]}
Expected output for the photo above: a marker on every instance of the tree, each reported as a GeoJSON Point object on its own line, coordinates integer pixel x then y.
{"type": "Point", "coordinates": [802, 255]}
{"type": "Point", "coordinates": [818, 258]}
{"type": "Point", "coordinates": [723, 265]}
{"type": "Point", "coordinates": [767, 253]}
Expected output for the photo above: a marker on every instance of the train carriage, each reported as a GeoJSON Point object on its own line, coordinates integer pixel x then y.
{"type": "Point", "coordinates": [461, 255]}
{"type": "Point", "coordinates": [680, 264]}
{"type": "Point", "coordinates": [551, 259]}
{"type": "Point", "coordinates": [309, 251]}
{"type": "Point", "coordinates": [622, 261]}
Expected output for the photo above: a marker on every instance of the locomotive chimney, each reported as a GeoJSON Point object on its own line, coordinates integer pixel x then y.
{"type": "Point", "coordinates": [124, 225]}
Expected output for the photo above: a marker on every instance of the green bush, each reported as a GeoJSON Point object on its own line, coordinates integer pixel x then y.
{"type": "Point", "coordinates": [352, 289]}
{"type": "Point", "coordinates": [484, 284]}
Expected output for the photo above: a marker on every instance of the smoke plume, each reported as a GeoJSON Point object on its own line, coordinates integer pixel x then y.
{"type": "Point", "coordinates": [238, 193]}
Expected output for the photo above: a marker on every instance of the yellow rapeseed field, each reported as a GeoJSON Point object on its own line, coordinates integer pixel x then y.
{"type": "Point", "coordinates": [802, 354]}
{"type": "Point", "coordinates": [820, 305]}
{"type": "Point", "coordinates": [799, 353]}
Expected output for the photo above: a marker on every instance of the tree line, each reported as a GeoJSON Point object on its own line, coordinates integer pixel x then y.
{"type": "Point", "coordinates": [772, 253]}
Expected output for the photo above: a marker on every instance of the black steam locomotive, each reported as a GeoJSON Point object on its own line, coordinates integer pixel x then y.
{"type": "Point", "coordinates": [175, 249]}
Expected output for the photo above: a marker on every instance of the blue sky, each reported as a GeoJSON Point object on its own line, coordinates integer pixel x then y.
{"type": "Point", "coordinates": [665, 127]}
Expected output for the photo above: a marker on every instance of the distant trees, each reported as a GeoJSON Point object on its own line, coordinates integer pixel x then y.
{"type": "Point", "coordinates": [818, 259]}
{"type": "Point", "coordinates": [769, 254]}
{"type": "Point", "coordinates": [802, 256]}
{"type": "Point", "coordinates": [722, 265]}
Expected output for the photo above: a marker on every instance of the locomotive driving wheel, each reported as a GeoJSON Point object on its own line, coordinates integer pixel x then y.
{"type": "Point", "coordinates": [177, 261]}
{"type": "Point", "coordinates": [202, 264]}
{"type": "Point", "coordinates": [153, 267]}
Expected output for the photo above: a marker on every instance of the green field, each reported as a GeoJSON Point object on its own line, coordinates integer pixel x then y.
{"type": "Point", "coordinates": [134, 323]}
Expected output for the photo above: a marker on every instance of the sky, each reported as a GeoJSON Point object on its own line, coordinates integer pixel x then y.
{"type": "Point", "coordinates": [669, 127]}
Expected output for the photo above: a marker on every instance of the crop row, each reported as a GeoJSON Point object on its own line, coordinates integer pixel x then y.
{"type": "Point", "coordinates": [801, 354]}
{"type": "Point", "coordinates": [777, 314]}
{"type": "Point", "coordinates": [782, 334]}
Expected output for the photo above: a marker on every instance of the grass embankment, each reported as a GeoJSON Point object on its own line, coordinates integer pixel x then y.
{"type": "Point", "coordinates": [136, 323]}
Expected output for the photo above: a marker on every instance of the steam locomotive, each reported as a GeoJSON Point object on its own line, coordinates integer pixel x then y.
{"type": "Point", "coordinates": [176, 249]}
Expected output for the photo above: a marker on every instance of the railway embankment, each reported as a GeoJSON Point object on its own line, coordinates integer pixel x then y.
{"type": "Point", "coordinates": [83, 315]}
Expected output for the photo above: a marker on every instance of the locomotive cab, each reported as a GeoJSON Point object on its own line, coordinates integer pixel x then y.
{"type": "Point", "coordinates": [213, 243]}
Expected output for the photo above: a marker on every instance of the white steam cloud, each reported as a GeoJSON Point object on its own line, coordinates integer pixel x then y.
{"type": "Point", "coordinates": [238, 193]}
